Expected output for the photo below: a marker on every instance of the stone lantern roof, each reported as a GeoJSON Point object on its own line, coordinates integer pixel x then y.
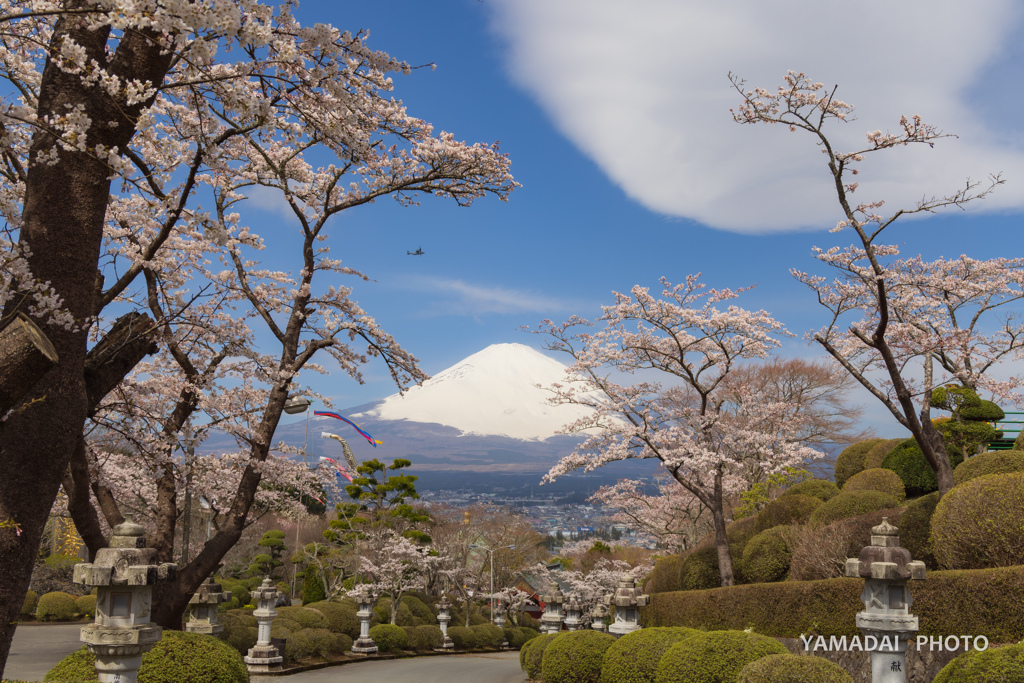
{"type": "Point", "coordinates": [554, 595]}
{"type": "Point", "coordinates": [627, 595]}
{"type": "Point", "coordinates": [884, 558]}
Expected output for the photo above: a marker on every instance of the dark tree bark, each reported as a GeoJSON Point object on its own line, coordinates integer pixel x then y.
{"type": "Point", "coordinates": [62, 228]}
{"type": "Point", "coordinates": [25, 356]}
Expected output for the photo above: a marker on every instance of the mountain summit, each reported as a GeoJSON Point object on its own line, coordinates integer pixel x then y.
{"type": "Point", "coordinates": [491, 393]}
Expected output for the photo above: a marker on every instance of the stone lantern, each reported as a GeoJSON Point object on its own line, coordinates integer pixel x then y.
{"type": "Point", "coordinates": [886, 568]}
{"type": "Point", "coordinates": [499, 621]}
{"type": "Point", "coordinates": [551, 620]}
{"type": "Point", "coordinates": [364, 645]}
{"type": "Point", "coordinates": [627, 601]}
{"type": "Point", "coordinates": [597, 616]}
{"type": "Point", "coordinates": [573, 614]}
{"type": "Point", "coordinates": [202, 609]}
{"type": "Point", "coordinates": [263, 656]}
{"type": "Point", "coordinates": [124, 575]}
{"type": "Point", "coordinates": [443, 617]}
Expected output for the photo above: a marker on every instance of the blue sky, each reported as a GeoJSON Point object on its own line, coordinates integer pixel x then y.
{"type": "Point", "coordinates": [616, 119]}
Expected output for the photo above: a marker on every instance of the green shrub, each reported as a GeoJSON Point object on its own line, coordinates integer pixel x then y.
{"type": "Point", "coordinates": [315, 642]}
{"type": "Point", "coordinates": [986, 411]}
{"type": "Point", "coordinates": [239, 636]}
{"type": "Point", "coordinates": [878, 452]}
{"type": "Point", "coordinates": [699, 569]}
{"type": "Point", "coordinates": [634, 657]}
{"type": "Point", "coordinates": [576, 657]}
{"type": "Point", "coordinates": [532, 655]}
{"type": "Point", "coordinates": [877, 479]}
{"type": "Point", "coordinates": [29, 605]}
{"type": "Point", "coordinates": [389, 638]}
{"type": "Point", "coordinates": [767, 556]}
{"type": "Point", "coordinates": [178, 657]}
{"type": "Point", "coordinates": [307, 618]}
{"type": "Point", "coordinates": [793, 508]}
{"type": "Point", "coordinates": [916, 526]}
{"type": "Point", "coordinates": [715, 657]}
{"type": "Point", "coordinates": [283, 627]}
{"type": "Point", "coordinates": [994, 665]}
{"type": "Point", "coordinates": [403, 617]}
{"type": "Point", "coordinates": [313, 589]}
{"type": "Point", "coordinates": [993, 462]}
{"type": "Point", "coordinates": [1018, 443]}
{"type": "Point", "coordinates": [908, 461]}
{"type": "Point", "coordinates": [822, 489]}
{"type": "Point", "coordinates": [851, 460]}
{"type": "Point", "coordinates": [514, 637]}
{"type": "Point", "coordinates": [341, 616]}
{"type": "Point", "coordinates": [851, 504]}
{"type": "Point", "coordinates": [424, 638]}
{"type": "Point", "coordinates": [980, 523]}
{"type": "Point", "coordinates": [488, 636]}
{"type": "Point", "coordinates": [791, 668]}
{"type": "Point", "coordinates": [665, 576]}
{"type": "Point", "coordinates": [463, 638]}
{"type": "Point", "coordinates": [56, 606]}
{"type": "Point", "coordinates": [420, 610]}
{"type": "Point", "coordinates": [86, 605]}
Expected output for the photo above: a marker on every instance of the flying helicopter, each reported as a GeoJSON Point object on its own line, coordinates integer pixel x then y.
{"type": "Point", "coordinates": [418, 252]}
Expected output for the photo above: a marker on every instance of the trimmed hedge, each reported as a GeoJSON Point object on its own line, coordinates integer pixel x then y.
{"type": "Point", "coordinates": [716, 657]}
{"type": "Point", "coordinates": [767, 556]}
{"type": "Point", "coordinates": [946, 602]}
{"type": "Point", "coordinates": [56, 606]}
{"type": "Point", "coordinates": [699, 569]}
{"type": "Point", "coordinates": [403, 617]}
{"type": "Point", "coordinates": [424, 638]}
{"type": "Point", "coordinates": [878, 452]}
{"type": "Point", "coordinates": [304, 616]}
{"type": "Point", "coordinates": [634, 657]}
{"type": "Point", "coordinates": [315, 642]}
{"type": "Point", "coordinates": [908, 461]}
{"type": "Point", "coordinates": [877, 479]}
{"type": "Point", "coordinates": [850, 460]}
{"type": "Point", "coordinates": [86, 605]}
{"type": "Point", "coordinates": [980, 523]}
{"type": "Point", "coordinates": [531, 657]}
{"type": "Point", "coordinates": [822, 489]}
{"type": "Point", "coordinates": [464, 638]}
{"type": "Point", "coordinates": [791, 668]}
{"type": "Point", "coordinates": [341, 616]}
{"type": "Point", "coordinates": [794, 508]}
{"type": "Point", "coordinates": [575, 657]}
{"type": "Point", "coordinates": [915, 527]}
{"type": "Point", "coordinates": [851, 504]}
{"type": "Point", "coordinates": [992, 462]}
{"type": "Point", "coordinates": [666, 575]}
{"type": "Point", "coordinates": [488, 635]}
{"type": "Point", "coordinates": [389, 638]}
{"type": "Point", "coordinates": [29, 605]}
{"type": "Point", "coordinates": [998, 664]}
{"type": "Point", "coordinates": [178, 657]}
{"type": "Point", "coordinates": [420, 610]}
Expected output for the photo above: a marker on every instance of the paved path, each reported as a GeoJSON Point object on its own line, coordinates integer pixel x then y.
{"type": "Point", "coordinates": [37, 647]}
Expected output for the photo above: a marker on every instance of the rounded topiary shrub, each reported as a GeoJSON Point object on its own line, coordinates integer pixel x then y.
{"type": "Point", "coordinates": [993, 462]}
{"type": "Point", "coordinates": [313, 589]}
{"type": "Point", "coordinates": [239, 636]}
{"type": "Point", "coordinates": [306, 618]}
{"type": "Point", "coordinates": [576, 657]}
{"type": "Point", "coordinates": [56, 606]}
{"type": "Point", "coordinates": [822, 489]}
{"type": "Point", "coordinates": [424, 638]}
{"type": "Point", "coordinates": [980, 524]}
{"type": "Point", "coordinates": [419, 609]}
{"type": "Point", "coordinates": [341, 616]}
{"type": "Point", "coordinates": [389, 638]}
{"type": "Point", "coordinates": [86, 605]}
{"type": "Point", "coordinates": [634, 657]}
{"type": "Point", "coordinates": [985, 411]}
{"type": "Point", "coordinates": [178, 657]}
{"type": "Point", "coordinates": [908, 461]}
{"type": "Point", "coordinates": [995, 665]}
{"type": "Point", "coordinates": [790, 668]}
{"type": "Point", "coordinates": [878, 452]}
{"type": "Point", "coordinates": [699, 570]}
{"type": "Point", "coordinates": [851, 460]}
{"type": "Point", "coordinates": [916, 528]}
{"type": "Point", "coordinates": [403, 617]}
{"type": "Point", "coordinates": [877, 479]}
{"type": "Point", "coordinates": [532, 655]}
{"type": "Point", "coordinates": [488, 636]}
{"type": "Point", "coordinates": [463, 638]}
{"type": "Point", "coordinates": [29, 604]}
{"type": "Point", "coordinates": [767, 556]}
{"type": "Point", "coordinates": [851, 504]}
{"type": "Point", "coordinates": [789, 509]}
{"type": "Point", "coordinates": [714, 657]}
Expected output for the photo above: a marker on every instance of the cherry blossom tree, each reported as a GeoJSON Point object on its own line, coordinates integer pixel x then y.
{"type": "Point", "coordinates": [896, 325]}
{"type": "Point", "coordinates": [393, 566]}
{"type": "Point", "coordinates": [707, 433]}
{"type": "Point", "coordinates": [673, 517]}
{"type": "Point", "coordinates": [132, 133]}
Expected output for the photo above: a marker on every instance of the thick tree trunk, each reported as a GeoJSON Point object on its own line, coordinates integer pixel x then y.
{"type": "Point", "coordinates": [721, 538]}
{"type": "Point", "coordinates": [62, 228]}
{"type": "Point", "coordinates": [934, 449]}
{"type": "Point", "coordinates": [26, 354]}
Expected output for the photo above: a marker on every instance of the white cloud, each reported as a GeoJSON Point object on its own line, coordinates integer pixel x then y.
{"type": "Point", "coordinates": [641, 88]}
{"type": "Point", "coordinates": [462, 298]}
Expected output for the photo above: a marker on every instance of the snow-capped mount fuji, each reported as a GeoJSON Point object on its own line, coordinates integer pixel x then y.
{"type": "Point", "coordinates": [493, 392]}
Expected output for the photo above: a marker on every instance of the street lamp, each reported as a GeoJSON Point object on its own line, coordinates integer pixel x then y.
{"type": "Point", "coordinates": [294, 406]}
{"type": "Point", "coordinates": [490, 551]}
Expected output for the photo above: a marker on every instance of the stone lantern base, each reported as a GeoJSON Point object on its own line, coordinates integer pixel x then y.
{"type": "Point", "coordinates": [263, 658]}
{"type": "Point", "coordinates": [447, 646]}
{"type": "Point", "coordinates": [364, 646]}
